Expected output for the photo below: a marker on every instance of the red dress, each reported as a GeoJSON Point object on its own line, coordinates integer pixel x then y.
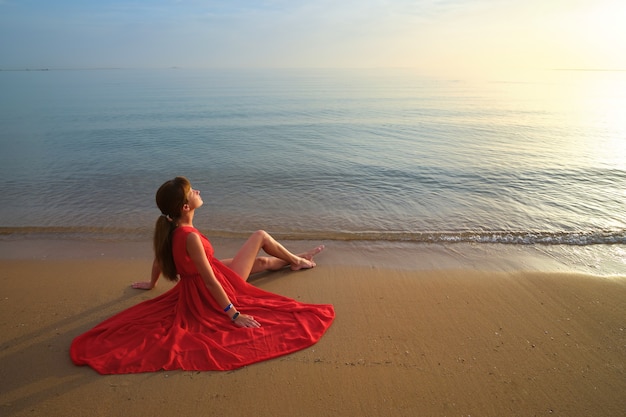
{"type": "Point", "coordinates": [184, 328]}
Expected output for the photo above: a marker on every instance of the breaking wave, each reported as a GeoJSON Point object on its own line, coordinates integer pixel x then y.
{"type": "Point", "coordinates": [577, 238]}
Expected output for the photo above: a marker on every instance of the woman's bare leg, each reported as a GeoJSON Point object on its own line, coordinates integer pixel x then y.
{"type": "Point", "coordinates": [271, 263]}
{"type": "Point", "coordinates": [260, 264]}
{"type": "Point", "coordinates": [246, 257]}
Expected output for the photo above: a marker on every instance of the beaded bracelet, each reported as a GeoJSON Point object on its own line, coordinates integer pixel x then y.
{"type": "Point", "coordinates": [235, 316]}
{"type": "Point", "coordinates": [228, 307]}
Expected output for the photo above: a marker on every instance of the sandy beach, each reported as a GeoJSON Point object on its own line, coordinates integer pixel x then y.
{"type": "Point", "coordinates": [428, 339]}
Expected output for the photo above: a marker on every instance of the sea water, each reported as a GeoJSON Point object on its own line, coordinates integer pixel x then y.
{"type": "Point", "coordinates": [349, 155]}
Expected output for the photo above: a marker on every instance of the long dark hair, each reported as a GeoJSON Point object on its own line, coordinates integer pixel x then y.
{"type": "Point", "coordinates": [170, 198]}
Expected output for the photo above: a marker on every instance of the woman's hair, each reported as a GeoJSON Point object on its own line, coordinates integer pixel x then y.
{"type": "Point", "coordinates": [170, 198]}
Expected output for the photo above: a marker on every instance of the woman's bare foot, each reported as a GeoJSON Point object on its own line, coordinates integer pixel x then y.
{"type": "Point", "coordinates": [311, 253]}
{"type": "Point", "coordinates": [305, 260]}
{"type": "Point", "coordinates": [302, 264]}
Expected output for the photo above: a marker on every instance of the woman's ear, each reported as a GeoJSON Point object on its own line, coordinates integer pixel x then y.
{"type": "Point", "coordinates": [185, 207]}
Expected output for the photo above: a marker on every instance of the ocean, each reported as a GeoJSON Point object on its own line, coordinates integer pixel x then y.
{"type": "Point", "coordinates": [333, 155]}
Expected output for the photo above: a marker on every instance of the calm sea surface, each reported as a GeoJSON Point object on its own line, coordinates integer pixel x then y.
{"type": "Point", "coordinates": [333, 155]}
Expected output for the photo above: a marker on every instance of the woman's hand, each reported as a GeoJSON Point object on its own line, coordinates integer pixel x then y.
{"type": "Point", "coordinates": [154, 278]}
{"type": "Point", "coordinates": [244, 320]}
{"type": "Point", "coordinates": [144, 285]}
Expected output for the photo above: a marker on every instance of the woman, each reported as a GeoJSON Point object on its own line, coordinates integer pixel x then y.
{"type": "Point", "coordinates": [212, 319]}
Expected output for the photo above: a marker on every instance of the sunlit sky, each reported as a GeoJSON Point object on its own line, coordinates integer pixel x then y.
{"type": "Point", "coordinates": [432, 35]}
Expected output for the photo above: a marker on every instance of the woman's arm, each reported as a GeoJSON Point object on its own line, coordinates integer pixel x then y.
{"type": "Point", "coordinates": [154, 278]}
{"type": "Point", "coordinates": [199, 258]}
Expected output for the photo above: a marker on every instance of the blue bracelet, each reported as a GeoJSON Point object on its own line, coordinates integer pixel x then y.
{"type": "Point", "coordinates": [228, 307]}
{"type": "Point", "coordinates": [235, 316]}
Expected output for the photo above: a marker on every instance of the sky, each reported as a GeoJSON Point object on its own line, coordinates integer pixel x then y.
{"type": "Point", "coordinates": [430, 35]}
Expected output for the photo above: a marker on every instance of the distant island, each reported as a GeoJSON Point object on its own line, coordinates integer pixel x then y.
{"type": "Point", "coordinates": [26, 69]}
{"type": "Point", "coordinates": [57, 69]}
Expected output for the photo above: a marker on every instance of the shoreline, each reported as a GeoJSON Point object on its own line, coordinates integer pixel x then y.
{"type": "Point", "coordinates": [455, 330]}
{"type": "Point", "coordinates": [605, 260]}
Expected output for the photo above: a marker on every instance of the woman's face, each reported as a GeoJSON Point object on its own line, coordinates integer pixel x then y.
{"type": "Point", "coordinates": [193, 199]}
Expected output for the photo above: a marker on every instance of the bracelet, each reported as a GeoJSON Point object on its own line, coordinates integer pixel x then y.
{"type": "Point", "coordinates": [235, 316]}
{"type": "Point", "coordinates": [228, 307]}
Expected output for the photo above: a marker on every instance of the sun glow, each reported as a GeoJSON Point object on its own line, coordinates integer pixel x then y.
{"type": "Point", "coordinates": [600, 33]}
{"type": "Point", "coordinates": [602, 109]}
